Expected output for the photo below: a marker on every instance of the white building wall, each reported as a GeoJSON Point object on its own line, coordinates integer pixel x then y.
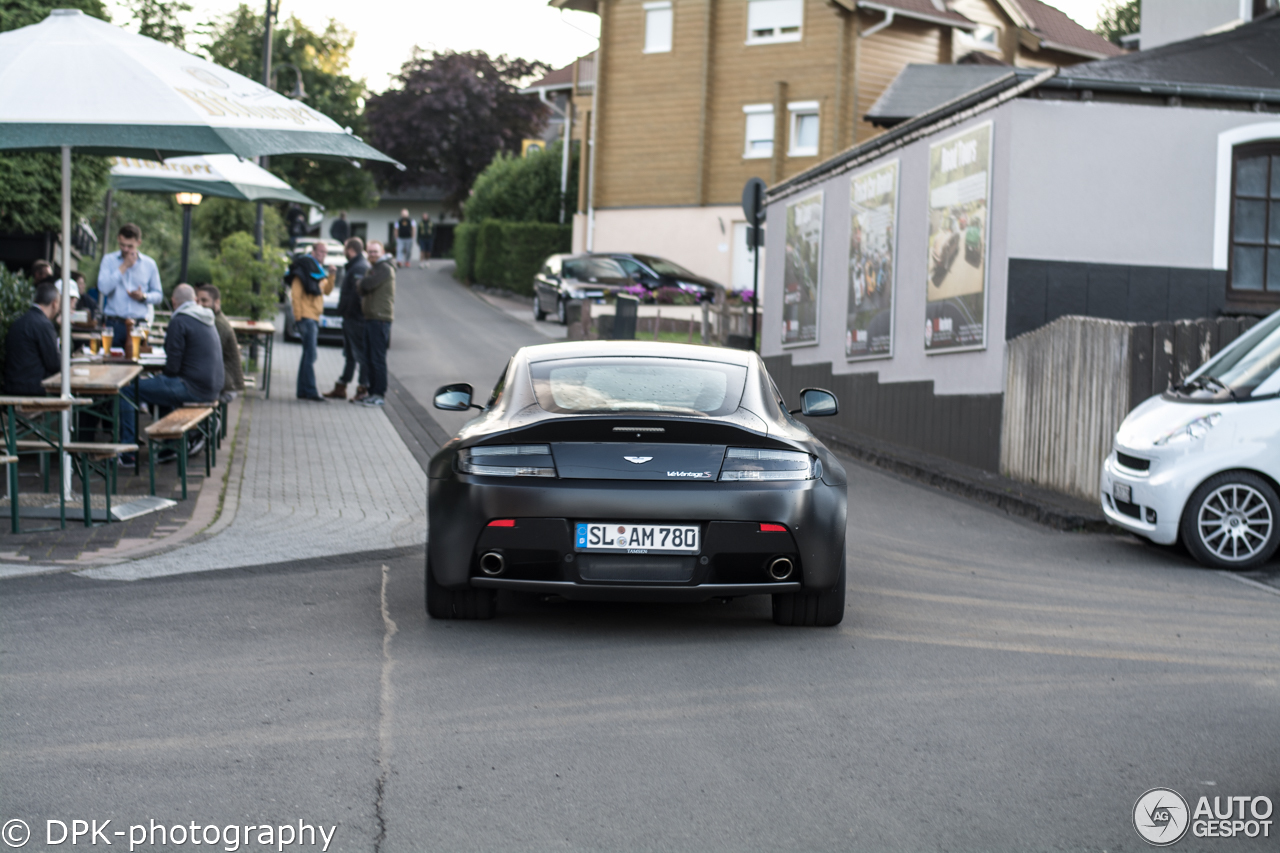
{"type": "Point", "coordinates": [1117, 183]}
{"type": "Point", "coordinates": [973, 372]}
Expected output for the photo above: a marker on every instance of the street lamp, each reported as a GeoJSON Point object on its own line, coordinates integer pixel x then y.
{"type": "Point", "coordinates": [188, 201]}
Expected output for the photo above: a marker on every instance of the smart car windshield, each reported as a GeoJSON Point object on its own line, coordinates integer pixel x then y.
{"type": "Point", "coordinates": [1248, 370]}
{"type": "Point", "coordinates": [638, 385]}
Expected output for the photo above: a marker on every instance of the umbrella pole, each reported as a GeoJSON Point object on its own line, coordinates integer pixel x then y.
{"type": "Point", "coordinates": [66, 313]}
{"type": "Point", "coordinates": [186, 241]}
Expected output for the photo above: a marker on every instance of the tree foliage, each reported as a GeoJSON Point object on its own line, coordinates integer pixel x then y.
{"type": "Point", "coordinates": [31, 182]}
{"type": "Point", "coordinates": [161, 20]}
{"type": "Point", "coordinates": [522, 189]}
{"type": "Point", "coordinates": [1119, 18]}
{"type": "Point", "coordinates": [235, 42]}
{"type": "Point", "coordinates": [237, 268]}
{"type": "Point", "coordinates": [449, 114]}
{"type": "Point", "coordinates": [15, 299]}
{"type": "Point", "coordinates": [22, 13]}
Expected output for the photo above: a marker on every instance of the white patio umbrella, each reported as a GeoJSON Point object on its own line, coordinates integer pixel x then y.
{"type": "Point", "coordinates": [73, 81]}
{"type": "Point", "coordinates": [223, 175]}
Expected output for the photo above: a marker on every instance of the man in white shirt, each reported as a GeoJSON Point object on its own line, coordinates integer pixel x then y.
{"type": "Point", "coordinates": [128, 282]}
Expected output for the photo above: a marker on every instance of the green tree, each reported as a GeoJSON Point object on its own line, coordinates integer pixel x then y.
{"type": "Point", "coordinates": [15, 299]}
{"type": "Point", "coordinates": [235, 271]}
{"type": "Point", "coordinates": [235, 42]}
{"type": "Point", "coordinates": [159, 20]}
{"type": "Point", "coordinates": [1119, 18]}
{"type": "Point", "coordinates": [522, 189]}
{"type": "Point", "coordinates": [32, 181]}
{"type": "Point", "coordinates": [218, 218]}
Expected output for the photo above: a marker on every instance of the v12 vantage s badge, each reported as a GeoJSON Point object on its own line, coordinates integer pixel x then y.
{"type": "Point", "coordinates": [636, 471]}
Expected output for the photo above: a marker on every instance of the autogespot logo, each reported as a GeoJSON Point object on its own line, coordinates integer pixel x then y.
{"type": "Point", "coordinates": [1160, 816]}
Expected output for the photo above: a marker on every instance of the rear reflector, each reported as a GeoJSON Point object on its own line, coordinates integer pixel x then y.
{"type": "Point", "coordinates": [772, 528]}
{"type": "Point", "coordinates": [503, 522]}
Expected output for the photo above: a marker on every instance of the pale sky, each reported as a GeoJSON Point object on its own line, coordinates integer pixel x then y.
{"type": "Point", "coordinates": [527, 28]}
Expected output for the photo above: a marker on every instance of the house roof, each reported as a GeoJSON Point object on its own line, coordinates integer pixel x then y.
{"type": "Point", "coordinates": [1227, 68]}
{"type": "Point", "coordinates": [1247, 56]}
{"type": "Point", "coordinates": [1057, 31]}
{"type": "Point", "coordinates": [562, 78]}
{"type": "Point", "coordinates": [926, 10]}
{"type": "Point", "coordinates": [919, 88]}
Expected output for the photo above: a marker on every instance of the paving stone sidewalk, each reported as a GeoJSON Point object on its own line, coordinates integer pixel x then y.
{"type": "Point", "coordinates": [316, 480]}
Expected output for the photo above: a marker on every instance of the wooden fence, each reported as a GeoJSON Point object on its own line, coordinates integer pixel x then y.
{"type": "Point", "coordinates": [1069, 384]}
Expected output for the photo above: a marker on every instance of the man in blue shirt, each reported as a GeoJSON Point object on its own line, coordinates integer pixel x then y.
{"type": "Point", "coordinates": [128, 282]}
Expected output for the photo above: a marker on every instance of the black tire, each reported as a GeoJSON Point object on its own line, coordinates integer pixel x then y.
{"type": "Point", "coordinates": [815, 609]}
{"type": "Point", "coordinates": [1232, 521]}
{"type": "Point", "coordinates": [467, 603]}
{"type": "Point", "coordinates": [562, 312]}
{"type": "Point", "coordinates": [538, 313]}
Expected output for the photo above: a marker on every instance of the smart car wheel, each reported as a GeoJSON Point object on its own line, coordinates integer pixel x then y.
{"type": "Point", "coordinates": [538, 313]}
{"type": "Point", "coordinates": [818, 609]}
{"type": "Point", "coordinates": [562, 312]}
{"type": "Point", "coordinates": [468, 603]}
{"type": "Point", "coordinates": [1232, 521]}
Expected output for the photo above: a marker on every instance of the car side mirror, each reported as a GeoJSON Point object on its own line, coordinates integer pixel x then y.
{"type": "Point", "coordinates": [817, 403]}
{"type": "Point", "coordinates": [454, 398]}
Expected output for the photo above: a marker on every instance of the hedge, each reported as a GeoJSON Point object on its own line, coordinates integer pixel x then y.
{"type": "Point", "coordinates": [507, 254]}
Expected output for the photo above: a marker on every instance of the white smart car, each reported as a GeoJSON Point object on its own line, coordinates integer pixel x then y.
{"type": "Point", "coordinates": [1203, 460]}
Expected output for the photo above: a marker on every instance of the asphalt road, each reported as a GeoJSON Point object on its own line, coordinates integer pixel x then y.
{"type": "Point", "coordinates": [995, 686]}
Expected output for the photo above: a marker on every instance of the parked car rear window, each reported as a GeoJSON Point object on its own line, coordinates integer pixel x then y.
{"type": "Point", "coordinates": [670, 385]}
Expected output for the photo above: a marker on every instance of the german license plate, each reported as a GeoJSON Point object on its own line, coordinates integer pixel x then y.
{"type": "Point", "coordinates": [636, 538]}
{"type": "Point", "coordinates": [1122, 492]}
{"type": "Point", "coordinates": [331, 322]}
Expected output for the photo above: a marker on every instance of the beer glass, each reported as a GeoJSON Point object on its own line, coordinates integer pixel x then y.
{"type": "Point", "coordinates": [135, 343]}
{"type": "Point", "coordinates": [95, 343]}
{"type": "Point", "coordinates": [107, 335]}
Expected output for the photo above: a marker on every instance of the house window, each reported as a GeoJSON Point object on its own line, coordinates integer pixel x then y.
{"type": "Point", "coordinates": [770, 21]}
{"type": "Point", "coordinates": [983, 37]}
{"type": "Point", "coordinates": [759, 131]}
{"type": "Point", "coordinates": [1255, 222]}
{"type": "Point", "coordinates": [804, 129]}
{"type": "Point", "coordinates": [658, 23]}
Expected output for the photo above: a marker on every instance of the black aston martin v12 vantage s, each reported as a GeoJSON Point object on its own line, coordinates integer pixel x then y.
{"type": "Point", "coordinates": [635, 471]}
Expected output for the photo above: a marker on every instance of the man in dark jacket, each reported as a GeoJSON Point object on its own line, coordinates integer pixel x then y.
{"type": "Point", "coordinates": [377, 303]}
{"type": "Point", "coordinates": [31, 347]}
{"type": "Point", "coordinates": [352, 324]}
{"type": "Point", "coordinates": [193, 371]}
{"type": "Point", "coordinates": [209, 296]}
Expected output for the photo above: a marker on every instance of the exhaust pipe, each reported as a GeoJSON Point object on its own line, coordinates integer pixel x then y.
{"type": "Point", "coordinates": [780, 569]}
{"type": "Point", "coordinates": [492, 563]}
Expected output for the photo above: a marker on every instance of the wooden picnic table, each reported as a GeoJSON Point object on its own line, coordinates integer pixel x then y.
{"type": "Point", "coordinates": [104, 382]}
{"type": "Point", "coordinates": [13, 410]}
{"type": "Point", "coordinates": [266, 330]}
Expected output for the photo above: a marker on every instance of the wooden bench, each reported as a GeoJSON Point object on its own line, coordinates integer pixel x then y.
{"type": "Point", "coordinates": [174, 427]}
{"type": "Point", "coordinates": [219, 430]}
{"type": "Point", "coordinates": [89, 458]}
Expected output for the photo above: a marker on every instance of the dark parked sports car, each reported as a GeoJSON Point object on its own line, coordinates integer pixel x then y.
{"type": "Point", "coordinates": [629, 471]}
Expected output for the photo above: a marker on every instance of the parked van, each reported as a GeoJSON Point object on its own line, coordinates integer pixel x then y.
{"type": "Point", "coordinates": [1202, 461]}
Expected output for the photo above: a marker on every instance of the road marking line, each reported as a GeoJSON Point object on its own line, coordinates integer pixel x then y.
{"type": "Point", "coordinates": [1248, 581]}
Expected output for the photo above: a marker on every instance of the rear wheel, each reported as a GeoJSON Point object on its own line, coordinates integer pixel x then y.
{"type": "Point", "coordinates": [443, 603]}
{"type": "Point", "coordinates": [1232, 521]}
{"type": "Point", "coordinates": [818, 609]}
{"type": "Point", "coordinates": [538, 313]}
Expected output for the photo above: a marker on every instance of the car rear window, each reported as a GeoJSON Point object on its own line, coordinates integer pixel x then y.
{"type": "Point", "coordinates": [678, 386]}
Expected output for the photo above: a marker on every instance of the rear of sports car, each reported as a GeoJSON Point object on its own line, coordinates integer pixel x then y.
{"type": "Point", "coordinates": [683, 505]}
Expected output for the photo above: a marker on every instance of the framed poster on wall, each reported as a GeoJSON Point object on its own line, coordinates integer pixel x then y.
{"type": "Point", "coordinates": [959, 233]}
{"type": "Point", "coordinates": [802, 271]}
{"type": "Point", "coordinates": [873, 220]}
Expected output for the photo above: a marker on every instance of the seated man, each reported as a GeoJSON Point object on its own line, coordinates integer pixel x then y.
{"type": "Point", "coordinates": [31, 347]}
{"type": "Point", "coordinates": [193, 363]}
{"type": "Point", "coordinates": [210, 297]}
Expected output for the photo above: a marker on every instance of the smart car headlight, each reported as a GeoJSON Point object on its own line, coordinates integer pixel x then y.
{"type": "Point", "coordinates": [508, 460]}
{"type": "Point", "coordinates": [749, 463]}
{"type": "Point", "coordinates": [1192, 431]}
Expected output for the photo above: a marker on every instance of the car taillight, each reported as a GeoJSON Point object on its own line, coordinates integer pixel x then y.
{"type": "Point", "coordinates": [508, 460]}
{"type": "Point", "coordinates": [749, 463]}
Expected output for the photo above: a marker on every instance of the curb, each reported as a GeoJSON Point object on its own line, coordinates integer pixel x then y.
{"type": "Point", "coordinates": [1059, 512]}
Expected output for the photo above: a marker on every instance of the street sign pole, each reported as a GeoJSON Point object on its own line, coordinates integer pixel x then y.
{"type": "Point", "coordinates": [753, 207]}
